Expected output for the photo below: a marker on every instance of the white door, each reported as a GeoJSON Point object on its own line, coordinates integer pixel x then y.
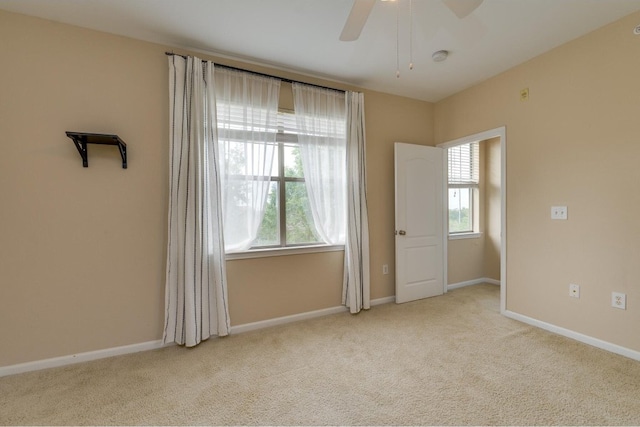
{"type": "Point", "coordinates": [420, 231]}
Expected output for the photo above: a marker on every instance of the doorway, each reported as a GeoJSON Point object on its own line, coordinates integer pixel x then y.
{"type": "Point", "coordinates": [494, 233]}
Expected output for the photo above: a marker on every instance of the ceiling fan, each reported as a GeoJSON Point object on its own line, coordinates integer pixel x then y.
{"type": "Point", "coordinates": [362, 8]}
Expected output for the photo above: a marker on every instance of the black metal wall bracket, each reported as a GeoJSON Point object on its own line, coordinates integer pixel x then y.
{"type": "Point", "coordinates": [80, 140]}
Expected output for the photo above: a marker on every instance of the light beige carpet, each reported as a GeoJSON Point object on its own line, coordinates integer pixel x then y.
{"type": "Point", "coordinates": [447, 360]}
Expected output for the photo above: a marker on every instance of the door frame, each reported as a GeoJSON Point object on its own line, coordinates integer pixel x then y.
{"type": "Point", "coordinates": [500, 132]}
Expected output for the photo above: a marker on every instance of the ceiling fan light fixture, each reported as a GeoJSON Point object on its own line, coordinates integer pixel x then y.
{"type": "Point", "coordinates": [440, 55]}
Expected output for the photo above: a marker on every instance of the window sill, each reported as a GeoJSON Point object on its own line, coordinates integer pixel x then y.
{"type": "Point", "coordinates": [459, 236]}
{"type": "Point", "coordinates": [271, 252]}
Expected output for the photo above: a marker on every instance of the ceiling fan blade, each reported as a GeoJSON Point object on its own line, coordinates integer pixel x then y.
{"type": "Point", "coordinates": [462, 8]}
{"type": "Point", "coordinates": [356, 20]}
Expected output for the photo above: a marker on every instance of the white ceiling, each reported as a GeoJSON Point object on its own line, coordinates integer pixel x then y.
{"type": "Point", "coordinates": [302, 35]}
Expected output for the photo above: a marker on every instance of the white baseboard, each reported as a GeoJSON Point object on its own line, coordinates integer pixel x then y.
{"type": "Point", "coordinates": [473, 282]}
{"type": "Point", "coordinates": [153, 345]}
{"type": "Point", "coordinates": [385, 300]}
{"type": "Point", "coordinates": [80, 357]}
{"type": "Point", "coordinates": [604, 345]}
{"type": "Point", "coordinates": [286, 319]}
{"type": "Point", "coordinates": [300, 316]}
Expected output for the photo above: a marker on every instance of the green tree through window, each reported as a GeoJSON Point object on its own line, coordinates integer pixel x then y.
{"type": "Point", "coordinates": [287, 220]}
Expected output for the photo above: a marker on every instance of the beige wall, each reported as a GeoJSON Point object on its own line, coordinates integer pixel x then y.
{"type": "Point", "coordinates": [574, 143]}
{"type": "Point", "coordinates": [82, 250]}
{"type": "Point", "coordinates": [395, 120]}
{"type": "Point", "coordinates": [465, 259]}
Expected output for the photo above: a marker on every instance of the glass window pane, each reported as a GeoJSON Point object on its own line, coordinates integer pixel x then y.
{"type": "Point", "coordinates": [300, 227]}
{"type": "Point", "coordinates": [292, 161]}
{"type": "Point", "coordinates": [269, 233]}
{"type": "Point", "coordinates": [460, 217]}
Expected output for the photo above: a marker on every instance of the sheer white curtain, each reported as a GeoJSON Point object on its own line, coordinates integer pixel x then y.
{"type": "Point", "coordinates": [321, 119]}
{"type": "Point", "coordinates": [332, 147]}
{"type": "Point", "coordinates": [196, 288]}
{"type": "Point", "coordinates": [247, 113]}
{"type": "Point", "coordinates": [356, 286]}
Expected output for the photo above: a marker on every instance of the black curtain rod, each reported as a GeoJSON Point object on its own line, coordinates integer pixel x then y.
{"type": "Point", "coordinates": [228, 67]}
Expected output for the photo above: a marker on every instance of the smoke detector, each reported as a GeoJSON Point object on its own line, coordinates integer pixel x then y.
{"type": "Point", "coordinates": [636, 30]}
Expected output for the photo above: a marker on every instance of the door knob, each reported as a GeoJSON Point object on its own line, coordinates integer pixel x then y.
{"type": "Point", "coordinates": [402, 232]}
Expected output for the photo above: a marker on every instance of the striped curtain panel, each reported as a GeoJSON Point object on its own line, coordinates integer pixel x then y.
{"type": "Point", "coordinates": [196, 284]}
{"type": "Point", "coordinates": [356, 286]}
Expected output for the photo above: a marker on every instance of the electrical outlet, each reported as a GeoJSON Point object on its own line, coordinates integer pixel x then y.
{"type": "Point", "coordinates": [385, 269]}
{"type": "Point", "coordinates": [558, 212]}
{"type": "Point", "coordinates": [574, 290]}
{"type": "Point", "coordinates": [619, 300]}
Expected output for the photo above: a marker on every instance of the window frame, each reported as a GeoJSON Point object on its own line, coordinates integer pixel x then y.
{"type": "Point", "coordinates": [473, 185]}
{"type": "Point", "coordinates": [281, 181]}
{"type": "Point", "coordinates": [285, 136]}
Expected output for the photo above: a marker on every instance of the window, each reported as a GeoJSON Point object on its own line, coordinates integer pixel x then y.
{"type": "Point", "coordinates": [283, 175]}
{"type": "Point", "coordinates": [464, 179]}
{"type": "Point", "coordinates": [287, 219]}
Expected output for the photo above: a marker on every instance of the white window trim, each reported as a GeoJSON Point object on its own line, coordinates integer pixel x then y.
{"type": "Point", "coordinates": [475, 233]}
{"type": "Point", "coordinates": [282, 251]}
{"type": "Point", "coordinates": [460, 236]}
